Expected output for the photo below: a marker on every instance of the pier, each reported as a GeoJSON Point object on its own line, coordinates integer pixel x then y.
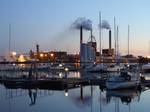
{"type": "Point", "coordinates": [56, 83]}
{"type": "Point", "coordinates": [50, 83]}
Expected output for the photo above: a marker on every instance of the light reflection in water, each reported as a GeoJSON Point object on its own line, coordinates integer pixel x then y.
{"type": "Point", "coordinates": [79, 98]}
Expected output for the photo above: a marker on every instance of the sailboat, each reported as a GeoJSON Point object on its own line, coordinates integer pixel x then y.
{"type": "Point", "coordinates": [116, 67]}
{"type": "Point", "coordinates": [124, 79]}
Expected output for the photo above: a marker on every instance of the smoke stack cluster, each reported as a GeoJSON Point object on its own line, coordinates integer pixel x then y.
{"type": "Point", "coordinates": [109, 39]}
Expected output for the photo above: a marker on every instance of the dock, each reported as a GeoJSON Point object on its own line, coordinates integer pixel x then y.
{"type": "Point", "coordinates": [49, 83]}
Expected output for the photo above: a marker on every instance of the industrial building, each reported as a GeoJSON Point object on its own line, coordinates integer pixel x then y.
{"type": "Point", "coordinates": [87, 50]}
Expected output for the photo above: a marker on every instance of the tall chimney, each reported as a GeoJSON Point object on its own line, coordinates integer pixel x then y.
{"type": "Point", "coordinates": [81, 35]}
{"type": "Point", "coordinates": [109, 39]}
{"type": "Point", "coordinates": [37, 50]}
{"type": "Point", "coordinates": [91, 35]}
{"type": "Point", "coordinates": [81, 41]}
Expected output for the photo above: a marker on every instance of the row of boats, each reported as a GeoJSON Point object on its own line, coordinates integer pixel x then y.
{"type": "Point", "coordinates": [87, 67]}
{"type": "Point", "coordinates": [124, 77]}
{"type": "Point", "coordinates": [117, 67]}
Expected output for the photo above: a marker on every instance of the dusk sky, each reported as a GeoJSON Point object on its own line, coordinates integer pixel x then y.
{"type": "Point", "coordinates": [47, 22]}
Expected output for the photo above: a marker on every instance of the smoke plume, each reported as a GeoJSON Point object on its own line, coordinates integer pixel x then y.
{"type": "Point", "coordinates": [105, 25]}
{"type": "Point", "coordinates": [82, 22]}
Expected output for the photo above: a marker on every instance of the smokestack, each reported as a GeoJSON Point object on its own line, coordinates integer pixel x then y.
{"type": "Point", "coordinates": [81, 41]}
{"type": "Point", "coordinates": [81, 35]}
{"type": "Point", "coordinates": [37, 50]}
{"type": "Point", "coordinates": [109, 39]}
{"type": "Point", "coordinates": [91, 34]}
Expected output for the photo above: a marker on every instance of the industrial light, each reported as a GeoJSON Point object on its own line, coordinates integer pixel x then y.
{"type": "Point", "coordinates": [45, 55]}
{"type": "Point", "coordinates": [51, 54]}
{"type": "Point", "coordinates": [41, 55]}
{"type": "Point", "coordinates": [21, 58]}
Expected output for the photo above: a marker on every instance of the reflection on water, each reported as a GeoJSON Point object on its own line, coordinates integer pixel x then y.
{"type": "Point", "coordinates": [125, 96]}
{"type": "Point", "coordinates": [33, 96]}
{"type": "Point", "coordinates": [80, 98]}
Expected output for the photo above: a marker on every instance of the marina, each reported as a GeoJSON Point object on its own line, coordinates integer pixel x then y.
{"type": "Point", "coordinates": [82, 92]}
{"type": "Point", "coordinates": [44, 78]}
{"type": "Point", "coordinates": [74, 56]}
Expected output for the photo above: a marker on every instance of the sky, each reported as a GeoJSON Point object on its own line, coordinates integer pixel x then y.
{"type": "Point", "coordinates": [47, 23]}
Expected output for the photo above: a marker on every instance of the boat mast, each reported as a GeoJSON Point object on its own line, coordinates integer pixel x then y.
{"type": "Point", "coordinates": [9, 40]}
{"type": "Point", "coordinates": [115, 37]}
{"type": "Point", "coordinates": [128, 39]}
{"type": "Point", "coordinates": [117, 42]}
{"type": "Point", "coordinates": [100, 38]}
{"type": "Point", "coordinates": [149, 48]}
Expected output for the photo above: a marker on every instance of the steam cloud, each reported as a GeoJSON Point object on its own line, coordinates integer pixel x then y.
{"type": "Point", "coordinates": [82, 22]}
{"type": "Point", "coordinates": [105, 25]}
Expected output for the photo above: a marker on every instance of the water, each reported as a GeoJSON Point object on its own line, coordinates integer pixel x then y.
{"type": "Point", "coordinates": [79, 99]}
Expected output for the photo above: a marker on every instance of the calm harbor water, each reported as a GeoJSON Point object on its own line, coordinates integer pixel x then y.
{"type": "Point", "coordinates": [80, 99]}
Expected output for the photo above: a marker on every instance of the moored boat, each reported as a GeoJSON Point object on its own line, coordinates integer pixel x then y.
{"type": "Point", "coordinates": [124, 80]}
{"type": "Point", "coordinates": [96, 68]}
{"type": "Point", "coordinates": [146, 68]}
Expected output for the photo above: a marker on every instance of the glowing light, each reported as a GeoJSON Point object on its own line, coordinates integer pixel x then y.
{"type": "Point", "coordinates": [51, 54]}
{"type": "Point", "coordinates": [14, 53]}
{"type": "Point", "coordinates": [60, 75]}
{"type": "Point", "coordinates": [77, 75]}
{"type": "Point", "coordinates": [60, 65]}
{"type": "Point", "coordinates": [66, 93]}
{"type": "Point", "coordinates": [45, 55]}
{"type": "Point", "coordinates": [41, 55]}
{"type": "Point", "coordinates": [66, 69]}
{"type": "Point", "coordinates": [21, 58]}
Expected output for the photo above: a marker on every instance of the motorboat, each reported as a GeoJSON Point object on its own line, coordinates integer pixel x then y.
{"type": "Point", "coordinates": [123, 80]}
{"type": "Point", "coordinates": [115, 68]}
{"type": "Point", "coordinates": [146, 68]}
{"type": "Point", "coordinates": [96, 68]}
